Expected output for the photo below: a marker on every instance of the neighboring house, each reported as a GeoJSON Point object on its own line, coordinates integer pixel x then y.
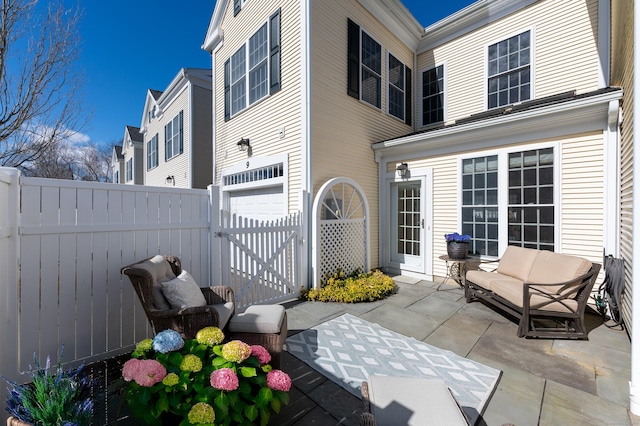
{"type": "Point", "coordinates": [132, 154]}
{"type": "Point", "coordinates": [117, 164]}
{"type": "Point", "coordinates": [177, 132]}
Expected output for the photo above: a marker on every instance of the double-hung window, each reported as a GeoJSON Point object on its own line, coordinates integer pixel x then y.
{"type": "Point", "coordinates": [399, 97]}
{"type": "Point", "coordinates": [509, 71]}
{"type": "Point", "coordinates": [526, 215]}
{"type": "Point", "coordinates": [152, 152]}
{"type": "Point", "coordinates": [433, 95]}
{"type": "Point", "coordinates": [173, 135]}
{"type": "Point", "coordinates": [253, 71]}
{"type": "Point", "coordinates": [129, 170]}
{"type": "Point", "coordinates": [364, 74]}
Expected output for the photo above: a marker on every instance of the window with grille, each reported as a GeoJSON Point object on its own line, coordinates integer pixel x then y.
{"type": "Point", "coordinates": [509, 71]}
{"type": "Point", "coordinates": [433, 95]}
{"type": "Point", "coordinates": [526, 215]}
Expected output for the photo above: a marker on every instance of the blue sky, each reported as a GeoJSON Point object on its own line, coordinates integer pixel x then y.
{"type": "Point", "coordinates": [131, 46]}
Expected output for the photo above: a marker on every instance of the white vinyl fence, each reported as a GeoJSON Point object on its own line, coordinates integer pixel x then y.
{"type": "Point", "coordinates": [63, 243]}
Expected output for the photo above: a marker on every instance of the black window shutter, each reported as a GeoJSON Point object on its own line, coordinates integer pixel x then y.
{"type": "Point", "coordinates": [408, 113]}
{"type": "Point", "coordinates": [236, 7]}
{"type": "Point", "coordinates": [274, 55]}
{"type": "Point", "coordinates": [227, 90]}
{"type": "Point", "coordinates": [181, 132]}
{"type": "Point", "coordinates": [166, 144]}
{"type": "Point", "coordinates": [353, 67]}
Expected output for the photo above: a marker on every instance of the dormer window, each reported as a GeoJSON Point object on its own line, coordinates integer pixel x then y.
{"type": "Point", "coordinates": [509, 71]}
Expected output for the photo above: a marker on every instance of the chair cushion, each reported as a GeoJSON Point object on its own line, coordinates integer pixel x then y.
{"type": "Point", "coordinates": [550, 267]}
{"type": "Point", "coordinates": [224, 313]}
{"type": "Point", "coordinates": [160, 271]}
{"type": "Point", "coordinates": [517, 262]}
{"type": "Point", "coordinates": [413, 401]}
{"type": "Point", "coordinates": [261, 319]}
{"type": "Point", "coordinates": [183, 292]}
{"type": "Point", "coordinates": [514, 294]}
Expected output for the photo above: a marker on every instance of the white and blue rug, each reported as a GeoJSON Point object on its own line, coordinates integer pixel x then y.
{"type": "Point", "coordinates": [348, 350]}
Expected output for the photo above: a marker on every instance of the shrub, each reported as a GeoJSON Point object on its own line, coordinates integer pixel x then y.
{"type": "Point", "coordinates": [357, 287]}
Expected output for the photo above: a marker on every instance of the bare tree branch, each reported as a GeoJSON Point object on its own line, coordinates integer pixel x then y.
{"type": "Point", "coordinates": [39, 86]}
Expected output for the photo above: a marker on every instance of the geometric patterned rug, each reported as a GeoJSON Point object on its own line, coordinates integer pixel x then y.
{"type": "Point", "coordinates": [348, 350]}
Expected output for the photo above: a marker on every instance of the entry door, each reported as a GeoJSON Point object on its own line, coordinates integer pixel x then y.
{"type": "Point", "coordinates": [407, 239]}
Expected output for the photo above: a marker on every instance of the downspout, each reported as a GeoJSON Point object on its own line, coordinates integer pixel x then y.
{"type": "Point", "coordinates": [305, 143]}
{"type": "Point", "coordinates": [634, 385]}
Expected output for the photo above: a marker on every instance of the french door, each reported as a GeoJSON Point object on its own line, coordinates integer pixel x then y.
{"type": "Point", "coordinates": [407, 243]}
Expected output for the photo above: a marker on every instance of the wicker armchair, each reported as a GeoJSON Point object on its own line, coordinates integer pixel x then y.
{"type": "Point", "coordinates": [144, 276]}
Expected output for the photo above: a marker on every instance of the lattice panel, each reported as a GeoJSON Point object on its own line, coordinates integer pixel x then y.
{"type": "Point", "coordinates": [342, 246]}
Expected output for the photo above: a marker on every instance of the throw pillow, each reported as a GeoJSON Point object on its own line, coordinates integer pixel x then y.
{"type": "Point", "coordinates": [183, 292]}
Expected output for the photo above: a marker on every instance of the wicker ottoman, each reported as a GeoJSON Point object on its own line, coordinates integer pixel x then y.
{"type": "Point", "coordinates": [264, 325]}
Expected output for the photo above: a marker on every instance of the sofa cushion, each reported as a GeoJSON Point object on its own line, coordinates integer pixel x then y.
{"type": "Point", "coordinates": [484, 279]}
{"type": "Point", "coordinates": [513, 294]}
{"type": "Point", "coordinates": [183, 292]}
{"type": "Point", "coordinates": [550, 267]}
{"type": "Point", "coordinates": [517, 262]}
{"type": "Point", "coordinates": [224, 313]}
{"type": "Point", "coordinates": [261, 319]}
{"type": "Point", "coordinates": [160, 271]}
{"type": "Point", "coordinates": [413, 401]}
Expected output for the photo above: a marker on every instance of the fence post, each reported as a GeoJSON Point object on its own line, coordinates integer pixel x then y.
{"type": "Point", "coordinates": [303, 240]}
{"type": "Point", "coordinates": [215, 270]}
{"type": "Point", "coordinates": [9, 264]}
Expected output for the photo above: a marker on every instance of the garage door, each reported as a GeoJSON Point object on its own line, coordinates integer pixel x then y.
{"type": "Point", "coordinates": [262, 203]}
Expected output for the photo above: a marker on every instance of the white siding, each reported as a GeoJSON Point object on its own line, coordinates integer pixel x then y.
{"type": "Point", "coordinates": [565, 53]}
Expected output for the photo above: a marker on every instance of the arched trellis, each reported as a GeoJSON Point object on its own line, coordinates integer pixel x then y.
{"type": "Point", "coordinates": [340, 229]}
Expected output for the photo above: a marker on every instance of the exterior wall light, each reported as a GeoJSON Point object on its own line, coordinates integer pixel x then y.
{"type": "Point", "coordinates": [170, 180]}
{"type": "Point", "coordinates": [403, 170]}
{"type": "Point", "coordinates": [243, 145]}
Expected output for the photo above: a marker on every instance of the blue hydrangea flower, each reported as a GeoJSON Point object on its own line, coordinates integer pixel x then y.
{"type": "Point", "coordinates": [167, 341]}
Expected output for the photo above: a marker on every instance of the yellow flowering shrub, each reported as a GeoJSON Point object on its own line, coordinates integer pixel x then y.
{"type": "Point", "coordinates": [355, 288]}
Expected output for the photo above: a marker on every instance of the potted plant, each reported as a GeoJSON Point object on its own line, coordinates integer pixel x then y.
{"type": "Point", "coordinates": [53, 397]}
{"type": "Point", "coordinates": [202, 381]}
{"type": "Point", "coordinates": [457, 245]}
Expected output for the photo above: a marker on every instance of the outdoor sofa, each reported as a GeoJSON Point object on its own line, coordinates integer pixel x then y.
{"type": "Point", "coordinates": [546, 291]}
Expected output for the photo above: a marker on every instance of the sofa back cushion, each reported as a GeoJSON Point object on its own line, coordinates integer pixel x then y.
{"type": "Point", "coordinates": [550, 267]}
{"type": "Point", "coordinates": [160, 271]}
{"type": "Point", "coordinates": [517, 262]}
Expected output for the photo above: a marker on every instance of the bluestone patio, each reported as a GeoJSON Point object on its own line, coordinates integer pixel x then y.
{"type": "Point", "coordinates": [546, 382]}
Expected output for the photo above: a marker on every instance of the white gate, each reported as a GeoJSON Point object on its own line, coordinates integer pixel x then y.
{"type": "Point", "coordinates": [262, 260]}
{"type": "Point", "coordinates": [340, 229]}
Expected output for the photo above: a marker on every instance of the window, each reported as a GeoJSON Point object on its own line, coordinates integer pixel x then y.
{"type": "Point", "coordinates": [152, 114]}
{"type": "Point", "coordinates": [253, 71]}
{"type": "Point", "coordinates": [129, 170]}
{"type": "Point", "coordinates": [480, 204]}
{"type": "Point", "coordinates": [509, 71]}
{"type": "Point", "coordinates": [433, 95]}
{"type": "Point", "coordinates": [399, 89]}
{"type": "Point", "coordinates": [116, 177]}
{"type": "Point", "coordinates": [371, 71]}
{"type": "Point", "coordinates": [152, 152]}
{"type": "Point", "coordinates": [364, 74]}
{"type": "Point", "coordinates": [173, 137]}
{"type": "Point", "coordinates": [237, 6]}
{"type": "Point", "coordinates": [529, 208]}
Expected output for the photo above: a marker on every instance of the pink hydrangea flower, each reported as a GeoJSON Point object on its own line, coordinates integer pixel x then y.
{"type": "Point", "coordinates": [150, 372]}
{"type": "Point", "coordinates": [261, 353]}
{"type": "Point", "coordinates": [225, 379]}
{"type": "Point", "coordinates": [236, 351]}
{"type": "Point", "coordinates": [278, 380]}
{"type": "Point", "coordinates": [130, 369]}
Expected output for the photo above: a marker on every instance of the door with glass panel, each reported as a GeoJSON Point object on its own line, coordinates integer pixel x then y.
{"type": "Point", "coordinates": [407, 239]}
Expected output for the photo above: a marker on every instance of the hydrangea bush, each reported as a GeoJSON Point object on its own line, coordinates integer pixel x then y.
{"type": "Point", "coordinates": [455, 237]}
{"type": "Point", "coordinates": [203, 381]}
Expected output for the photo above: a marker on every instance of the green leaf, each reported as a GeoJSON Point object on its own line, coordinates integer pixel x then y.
{"type": "Point", "coordinates": [276, 405]}
{"type": "Point", "coordinates": [264, 396]}
{"type": "Point", "coordinates": [282, 396]}
{"type": "Point", "coordinates": [264, 417]}
{"type": "Point", "coordinates": [222, 403]}
{"type": "Point", "coordinates": [162, 404]}
{"type": "Point", "coordinates": [251, 412]}
{"type": "Point", "coordinates": [220, 362]}
{"type": "Point", "coordinates": [248, 372]}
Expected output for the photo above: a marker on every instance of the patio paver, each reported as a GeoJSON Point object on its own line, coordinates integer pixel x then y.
{"type": "Point", "coordinates": [544, 381]}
